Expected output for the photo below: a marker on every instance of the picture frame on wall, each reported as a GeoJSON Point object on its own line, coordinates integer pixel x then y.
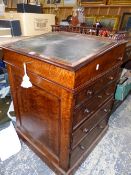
{"type": "Point", "coordinates": [119, 2]}
{"type": "Point", "coordinates": [92, 2]}
{"type": "Point", "coordinates": [109, 22]}
{"type": "Point", "coordinates": [125, 24]}
{"type": "Point", "coordinates": [90, 20]}
{"type": "Point", "coordinates": [53, 3]}
{"type": "Point", "coordinates": [70, 2]}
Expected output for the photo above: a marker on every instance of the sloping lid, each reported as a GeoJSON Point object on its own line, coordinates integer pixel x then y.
{"type": "Point", "coordinates": [63, 48]}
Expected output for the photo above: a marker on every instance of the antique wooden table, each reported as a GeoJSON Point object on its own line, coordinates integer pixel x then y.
{"type": "Point", "coordinates": [66, 111]}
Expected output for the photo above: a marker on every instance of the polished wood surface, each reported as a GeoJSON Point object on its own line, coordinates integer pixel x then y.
{"type": "Point", "coordinates": [65, 113]}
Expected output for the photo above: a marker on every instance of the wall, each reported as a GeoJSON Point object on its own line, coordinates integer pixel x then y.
{"type": "Point", "coordinates": [64, 11]}
{"type": "Point", "coordinates": [111, 10]}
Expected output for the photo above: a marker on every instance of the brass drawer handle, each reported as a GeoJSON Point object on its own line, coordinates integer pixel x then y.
{"type": "Point", "coordinates": [85, 130]}
{"type": "Point", "coordinates": [99, 96]}
{"type": "Point", "coordinates": [105, 110]}
{"type": "Point", "coordinates": [89, 92]}
{"type": "Point", "coordinates": [82, 147]}
{"type": "Point", "coordinates": [101, 126]}
{"type": "Point", "coordinates": [86, 110]}
{"type": "Point", "coordinates": [107, 93]}
{"type": "Point", "coordinates": [111, 78]}
{"type": "Point", "coordinates": [119, 58]}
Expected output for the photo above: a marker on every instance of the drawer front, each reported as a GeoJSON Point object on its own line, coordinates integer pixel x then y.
{"type": "Point", "coordinates": [41, 68]}
{"type": "Point", "coordinates": [86, 143]}
{"type": "Point", "coordinates": [106, 80]}
{"type": "Point", "coordinates": [88, 108]}
{"type": "Point", "coordinates": [89, 91]}
{"type": "Point", "coordinates": [91, 123]}
{"type": "Point", "coordinates": [100, 65]}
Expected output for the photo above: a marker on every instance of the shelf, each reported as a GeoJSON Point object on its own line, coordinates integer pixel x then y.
{"type": "Point", "coordinates": [105, 6]}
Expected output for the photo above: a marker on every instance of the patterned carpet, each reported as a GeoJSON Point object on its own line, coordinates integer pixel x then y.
{"type": "Point", "coordinates": [112, 156]}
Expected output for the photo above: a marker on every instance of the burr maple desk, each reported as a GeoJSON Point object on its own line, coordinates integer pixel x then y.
{"type": "Point", "coordinates": [65, 113]}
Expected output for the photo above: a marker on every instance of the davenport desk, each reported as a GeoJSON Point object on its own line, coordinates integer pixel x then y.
{"type": "Point", "coordinates": [65, 113]}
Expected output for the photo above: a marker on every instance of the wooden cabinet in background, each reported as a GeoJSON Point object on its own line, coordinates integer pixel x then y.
{"type": "Point", "coordinates": [65, 113]}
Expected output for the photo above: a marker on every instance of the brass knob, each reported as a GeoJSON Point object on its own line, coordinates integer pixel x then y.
{"type": "Point", "coordinates": [107, 93]}
{"type": "Point", "coordinates": [101, 127]}
{"type": "Point", "coordinates": [119, 58]}
{"type": "Point", "coordinates": [86, 110]}
{"type": "Point", "coordinates": [99, 96]}
{"type": "Point", "coordinates": [111, 78]}
{"type": "Point", "coordinates": [89, 92]}
{"type": "Point", "coordinates": [82, 147]}
{"type": "Point", "coordinates": [105, 110]}
{"type": "Point", "coordinates": [85, 130]}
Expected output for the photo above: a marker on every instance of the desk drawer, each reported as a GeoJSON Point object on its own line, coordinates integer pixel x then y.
{"type": "Point", "coordinates": [86, 143]}
{"type": "Point", "coordinates": [90, 91]}
{"type": "Point", "coordinates": [41, 68]}
{"type": "Point", "coordinates": [99, 66]}
{"type": "Point", "coordinates": [89, 107]}
{"type": "Point", "coordinates": [91, 123]}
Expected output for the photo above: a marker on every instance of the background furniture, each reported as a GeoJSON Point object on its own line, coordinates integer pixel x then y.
{"type": "Point", "coordinates": [126, 64]}
{"type": "Point", "coordinates": [32, 23]}
{"type": "Point", "coordinates": [64, 9]}
{"type": "Point", "coordinates": [84, 30]}
{"type": "Point", "coordinates": [29, 8]}
{"type": "Point", "coordinates": [13, 24]}
{"type": "Point", "coordinates": [65, 113]}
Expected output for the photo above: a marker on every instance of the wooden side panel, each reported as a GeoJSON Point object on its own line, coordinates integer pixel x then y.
{"type": "Point", "coordinates": [39, 115]}
{"type": "Point", "coordinates": [44, 117]}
